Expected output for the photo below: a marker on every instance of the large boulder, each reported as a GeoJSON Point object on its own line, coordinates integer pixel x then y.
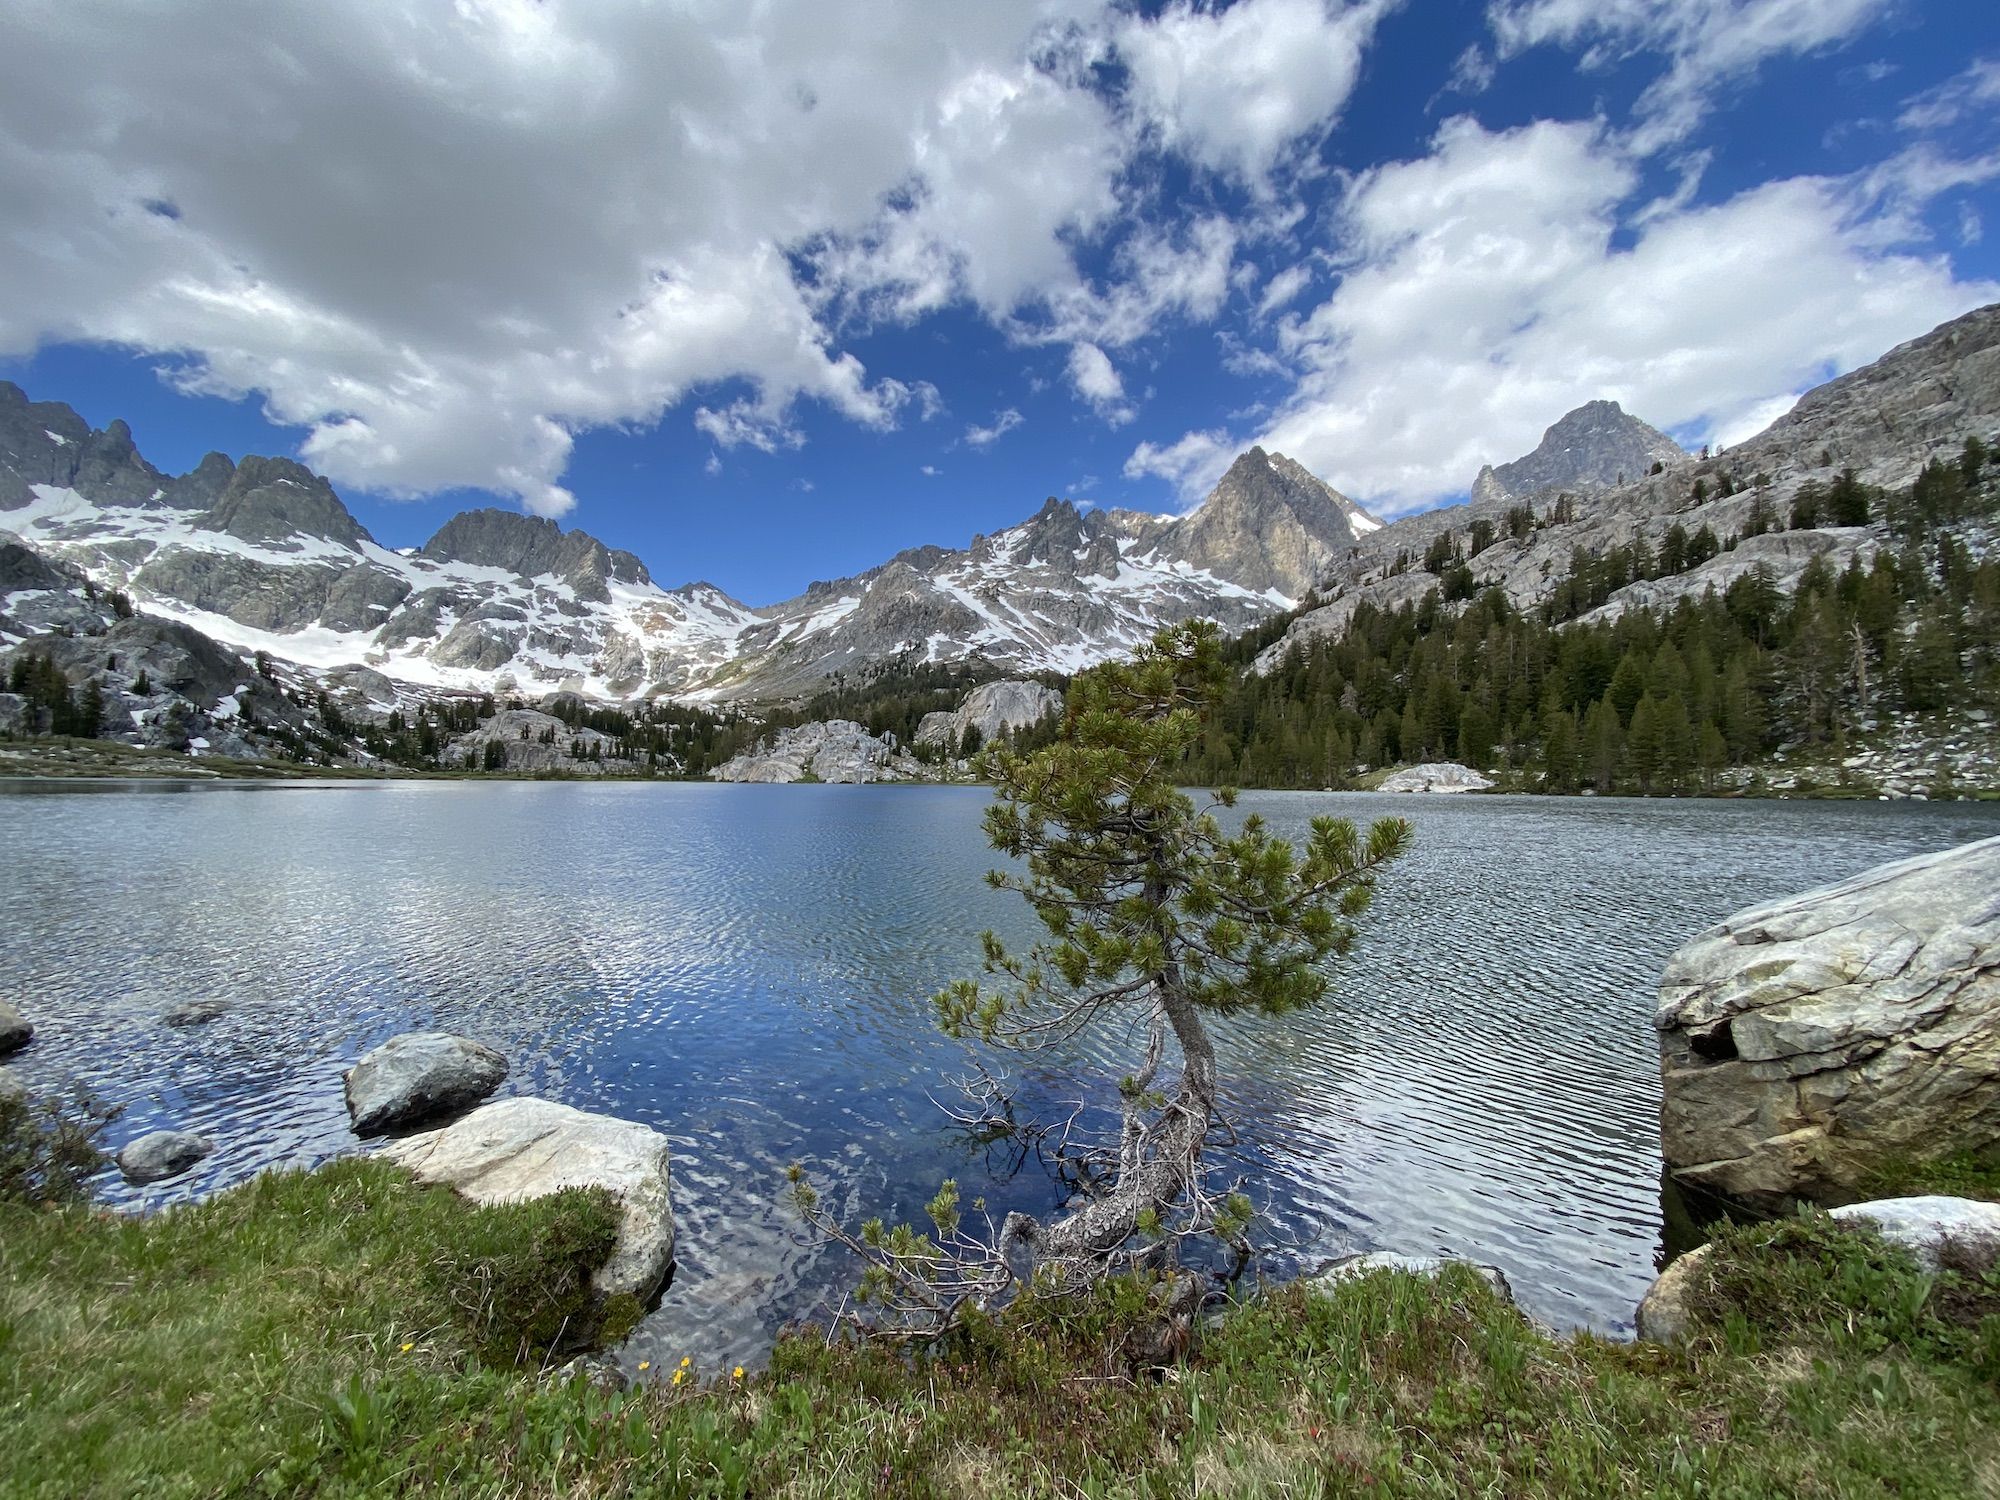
{"type": "Point", "coordinates": [15, 1032]}
{"type": "Point", "coordinates": [160, 1154]}
{"type": "Point", "coordinates": [1435, 776]}
{"type": "Point", "coordinates": [517, 1149]}
{"type": "Point", "coordinates": [1926, 1227]}
{"type": "Point", "coordinates": [1808, 1043]}
{"type": "Point", "coordinates": [417, 1077]}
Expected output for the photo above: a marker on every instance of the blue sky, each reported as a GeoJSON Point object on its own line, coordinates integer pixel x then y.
{"type": "Point", "coordinates": [766, 297]}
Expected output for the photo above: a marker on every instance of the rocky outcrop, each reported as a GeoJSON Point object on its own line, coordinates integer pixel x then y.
{"type": "Point", "coordinates": [15, 1032]}
{"type": "Point", "coordinates": [532, 742]}
{"type": "Point", "coordinates": [1354, 1267]}
{"type": "Point", "coordinates": [417, 1077]}
{"type": "Point", "coordinates": [836, 750]}
{"type": "Point", "coordinates": [161, 1154]}
{"type": "Point", "coordinates": [1810, 1041]}
{"type": "Point", "coordinates": [991, 709]}
{"type": "Point", "coordinates": [518, 1149]}
{"type": "Point", "coordinates": [1931, 1229]}
{"type": "Point", "coordinates": [1435, 776]}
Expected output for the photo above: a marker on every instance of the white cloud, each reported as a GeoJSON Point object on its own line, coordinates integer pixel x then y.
{"type": "Point", "coordinates": [744, 424]}
{"type": "Point", "coordinates": [1707, 44]}
{"type": "Point", "coordinates": [1237, 89]}
{"type": "Point", "coordinates": [1973, 92]}
{"type": "Point", "coordinates": [445, 240]}
{"type": "Point", "coordinates": [1487, 291]}
{"type": "Point", "coordinates": [1097, 380]}
{"type": "Point", "coordinates": [1002, 424]}
{"type": "Point", "coordinates": [1282, 288]}
{"type": "Point", "coordinates": [930, 471]}
{"type": "Point", "coordinates": [1191, 465]}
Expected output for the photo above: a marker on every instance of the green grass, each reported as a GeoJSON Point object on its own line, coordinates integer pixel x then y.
{"type": "Point", "coordinates": [346, 1332]}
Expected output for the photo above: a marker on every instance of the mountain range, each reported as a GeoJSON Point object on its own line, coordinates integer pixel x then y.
{"type": "Point", "coordinates": [260, 555]}
{"type": "Point", "coordinates": [263, 556]}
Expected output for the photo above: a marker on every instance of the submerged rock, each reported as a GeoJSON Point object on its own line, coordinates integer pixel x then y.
{"type": "Point", "coordinates": [417, 1077]}
{"type": "Point", "coordinates": [1810, 1042]}
{"type": "Point", "coordinates": [194, 1012]}
{"type": "Point", "coordinates": [1353, 1267]}
{"type": "Point", "coordinates": [15, 1032]}
{"type": "Point", "coordinates": [160, 1154]}
{"type": "Point", "coordinates": [1932, 1229]}
{"type": "Point", "coordinates": [1435, 776]}
{"type": "Point", "coordinates": [528, 1148]}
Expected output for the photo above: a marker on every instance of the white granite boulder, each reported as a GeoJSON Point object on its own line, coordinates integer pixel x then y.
{"type": "Point", "coordinates": [1925, 1227]}
{"type": "Point", "coordinates": [1807, 1043]}
{"type": "Point", "coordinates": [516, 1149]}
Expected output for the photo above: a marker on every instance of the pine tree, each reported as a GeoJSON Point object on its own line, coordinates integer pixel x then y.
{"type": "Point", "coordinates": [1152, 912]}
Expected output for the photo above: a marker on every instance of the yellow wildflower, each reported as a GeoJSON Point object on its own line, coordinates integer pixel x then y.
{"type": "Point", "coordinates": [679, 1376]}
{"type": "Point", "coordinates": [645, 1364]}
{"type": "Point", "coordinates": [737, 1373]}
{"type": "Point", "coordinates": [408, 1347]}
{"type": "Point", "coordinates": [686, 1360]}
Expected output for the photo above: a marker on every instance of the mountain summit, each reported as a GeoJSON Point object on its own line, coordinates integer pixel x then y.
{"type": "Point", "coordinates": [1269, 524]}
{"type": "Point", "coordinates": [1598, 445]}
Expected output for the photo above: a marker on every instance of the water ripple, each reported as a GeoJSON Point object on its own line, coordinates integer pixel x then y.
{"type": "Point", "coordinates": [748, 969]}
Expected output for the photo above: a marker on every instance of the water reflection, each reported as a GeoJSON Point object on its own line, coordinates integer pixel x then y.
{"type": "Point", "coordinates": [748, 969]}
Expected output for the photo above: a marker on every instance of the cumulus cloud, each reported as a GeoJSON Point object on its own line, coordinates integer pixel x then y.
{"type": "Point", "coordinates": [1192, 465]}
{"type": "Point", "coordinates": [1236, 90]}
{"type": "Point", "coordinates": [1707, 44]}
{"type": "Point", "coordinates": [1002, 424]}
{"type": "Point", "coordinates": [1500, 280]}
{"type": "Point", "coordinates": [1097, 380]}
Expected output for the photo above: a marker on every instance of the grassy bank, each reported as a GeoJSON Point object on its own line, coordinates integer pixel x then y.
{"type": "Point", "coordinates": [345, 1332]}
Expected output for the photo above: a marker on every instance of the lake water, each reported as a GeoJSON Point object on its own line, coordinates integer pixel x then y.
{"type": "Point", "coordinates": [748, 969]}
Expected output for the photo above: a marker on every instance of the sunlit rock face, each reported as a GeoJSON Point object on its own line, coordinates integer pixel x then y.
{"type": "Point", "coordinates": [1809, 1042]}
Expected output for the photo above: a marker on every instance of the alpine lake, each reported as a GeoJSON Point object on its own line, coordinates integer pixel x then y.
{"type": "Point", "coordinates": [749, 970]}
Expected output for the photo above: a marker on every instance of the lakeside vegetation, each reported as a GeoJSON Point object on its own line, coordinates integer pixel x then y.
{"type": "Point", "coordinates": [334, 1333]}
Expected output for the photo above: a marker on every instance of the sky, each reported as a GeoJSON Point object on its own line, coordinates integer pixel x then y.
{"type": "Point", "coordinates": [766, 293]}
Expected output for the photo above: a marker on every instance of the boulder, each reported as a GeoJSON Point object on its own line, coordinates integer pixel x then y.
{"type": "Point", "coordinates": [160, 1154]}
{"type": "Point", "coordinates": [1808, 1043]}
{"type": "Point", "coordinates": [1353, 1267]}
{"type": "Point", "coordinates": [15, 1032]}
{"type": "Point", "coordinates": [1435, 776]}
{"type": "Point", "coordinates": [417, 1077]}
{"type": "Point", "coordinates": [516, 1149]}
{"type": "Point", "coordinates": [1926, 1226]}
{"type": "Point", "coordinates": [1923, 1226]}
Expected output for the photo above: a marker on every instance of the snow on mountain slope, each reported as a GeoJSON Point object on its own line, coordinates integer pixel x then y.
{"type": "Point", "coordinates": [262, 555]}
